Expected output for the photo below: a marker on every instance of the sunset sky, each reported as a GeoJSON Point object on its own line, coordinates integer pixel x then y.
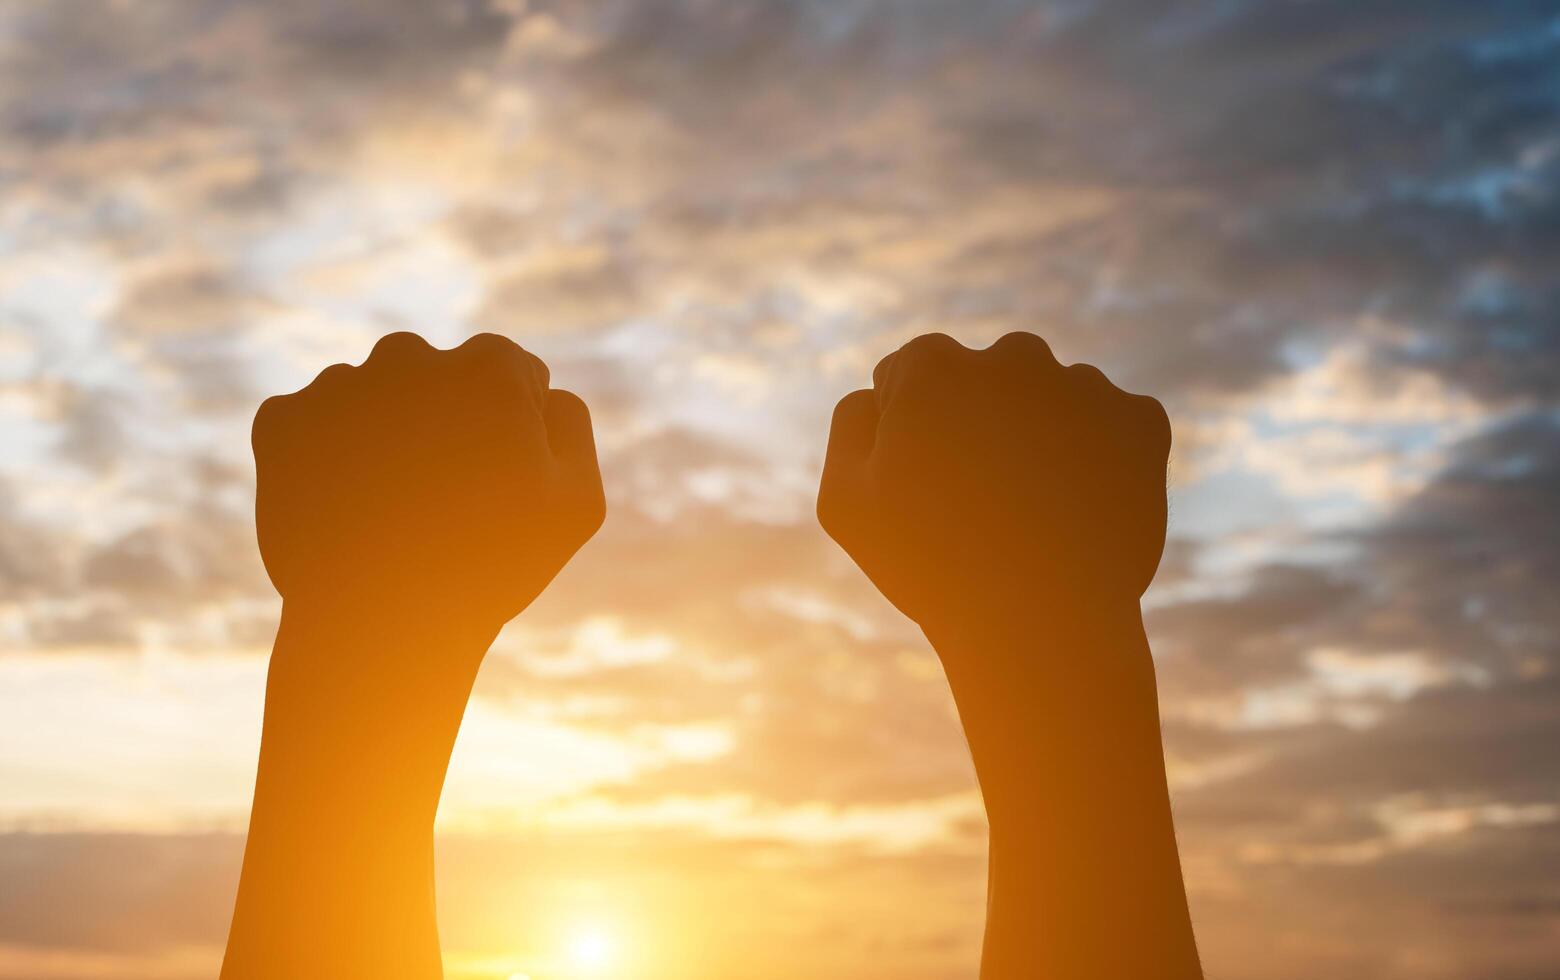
{"type": "Point", "coordinates": [1326, 234]}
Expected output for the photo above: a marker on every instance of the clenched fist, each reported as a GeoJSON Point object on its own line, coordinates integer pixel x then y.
{"type": "Point", "coordinates": [452, 483]}
{"type": "Point", "coordinates": [971, 484]}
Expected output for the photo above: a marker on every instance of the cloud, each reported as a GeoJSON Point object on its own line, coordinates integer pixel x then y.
{"type": "Point", "coordinates": [58, 895]}
{"type": "Point", "coordinates": [1324, 234]}
{"type": "Point", "coordinates": [570, 289]}
{"type": "Point", "coordinates": [1446, 774]}
{"type": "Point", "coordinates": [1458, 568]}
{"type": "Point", "coordinates": [141, 906]}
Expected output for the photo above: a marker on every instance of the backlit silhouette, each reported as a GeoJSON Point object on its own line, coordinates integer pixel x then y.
{"type": "Point", "coordinates": [1015, 509]}
{"type": "Point", "coordinates": [409, 507]}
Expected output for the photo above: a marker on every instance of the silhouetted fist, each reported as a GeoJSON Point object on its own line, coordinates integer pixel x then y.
{"type": "Point", "coordinates": [451, 482]}
{"type": "Point", "coordinates": [975, 483]}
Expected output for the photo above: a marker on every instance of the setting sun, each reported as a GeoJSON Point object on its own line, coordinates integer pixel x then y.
{"type": "Point", "coordinates": [592, 949]}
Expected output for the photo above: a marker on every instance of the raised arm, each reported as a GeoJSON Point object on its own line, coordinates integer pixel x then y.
{"type": "Point", "coordinates": [407, 509]}
{"type": "Point", "coordinates": [1015, 509]}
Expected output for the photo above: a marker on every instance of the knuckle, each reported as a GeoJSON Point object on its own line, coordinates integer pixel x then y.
{"type": "Point", "coordinates": [538, 368]}
{"type": "Point", "coordinates": [492, 350]}
{"type": "Point", "coordinates": [489, 343]}
{"type": "Point", "coordinates": [935, 347]}
{"type": "Point", "coordinates": [399, 346]}
{"type": "Point", "coordinates": [332, 376]}
{"type": "Point", "coordinates": [883, 370]}
{"type": "Point", "coordinates": [1156, 419]}
{"type": "Point", "coordinates": [269, 419]}
{"type": "Point", "coordinates": [850, 406]}
{"type": "Point", "coordinates": [1022, 343]}
{"type": "Point", "coordinates": [928, 356]}
{"type": "Point", "coordinates": [1088, 376]}
{"type": "Point", "coordinates": [563, 400]}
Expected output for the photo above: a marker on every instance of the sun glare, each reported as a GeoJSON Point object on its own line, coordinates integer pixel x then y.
{"type": "Point", "coordinates": [591, 950]}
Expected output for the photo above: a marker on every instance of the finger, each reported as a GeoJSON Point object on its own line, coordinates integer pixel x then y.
{"type": "Point", "coordinates": [924, 358]}
{"type": "Point", "coordinates": [537, 368]}
{"type": "Point", "coordinates": [501, 349]}
{"type": "Point", "coordinates": [569, 431]}
{"type": "Point", "coordinates": [271, 420]}
{"type": "Point", "coordinates": [398, 348]}
{"type": "Point", "coordinates": [1022, 344]}
{"type": "Point", "coordinates": [573, 443]}
{"type": "Point", "coordinates": [1155, 422]}
{"type": "Point", "coordinates": [852, 434]}
{"type": "Point", "coordinates": [573, 440]}
{"type": "Point", "coordinates": [853, 429]}
{"type": "Point", "coordinates": [331, 378]}
{"type": "Point", "coordinates": [1024, 364]}
{"type": "Point", "coordinates": [1088, 377]}
{"type": "Point", "coordinates": [496, 358]}
{"type": "Point", "coordinates": [882, 372]}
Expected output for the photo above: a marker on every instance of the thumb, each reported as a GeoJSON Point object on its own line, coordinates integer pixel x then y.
{"type": "Point", "coordinates": [851, 436]}
{"type": "Point", "coordinates": [573, 444]}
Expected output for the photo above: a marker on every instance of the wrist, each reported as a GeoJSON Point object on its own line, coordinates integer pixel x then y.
{"type": "Point", "coordinates": [1059, 708]}
{"type": "Point", "coordinates": [1025, 661]}
{"type": "Point", "coordinates": [1062, 718]}
{"type": "Point", "coordinates": [358, 653]}
{"type": "Point", "coordinates": [387, 613]}
{"type": "Point", "coordinates": [363, 705]}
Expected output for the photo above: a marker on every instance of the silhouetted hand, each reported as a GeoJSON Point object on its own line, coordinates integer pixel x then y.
{"type": "Point", "coordinates": [407, 508]}
{"type": "Point", "coordinates": [1015, 509]}
{"type": "Point", "coordinates": [969, 482]}
{"type": "Point", "coordinates": [452, 482]}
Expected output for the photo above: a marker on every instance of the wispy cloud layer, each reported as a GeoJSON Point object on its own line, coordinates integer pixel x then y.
{"type": "Point", "coordinates": [1325, 234]}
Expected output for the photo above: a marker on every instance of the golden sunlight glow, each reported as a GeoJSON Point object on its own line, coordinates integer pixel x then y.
{"type": "Point", "coordinates": [592, 949]}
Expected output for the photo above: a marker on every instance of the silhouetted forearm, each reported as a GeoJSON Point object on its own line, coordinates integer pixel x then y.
{"type": "Point", "coordinates": [1085, 881]}
{"type": "Point", "coordinates": [338, 869]}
